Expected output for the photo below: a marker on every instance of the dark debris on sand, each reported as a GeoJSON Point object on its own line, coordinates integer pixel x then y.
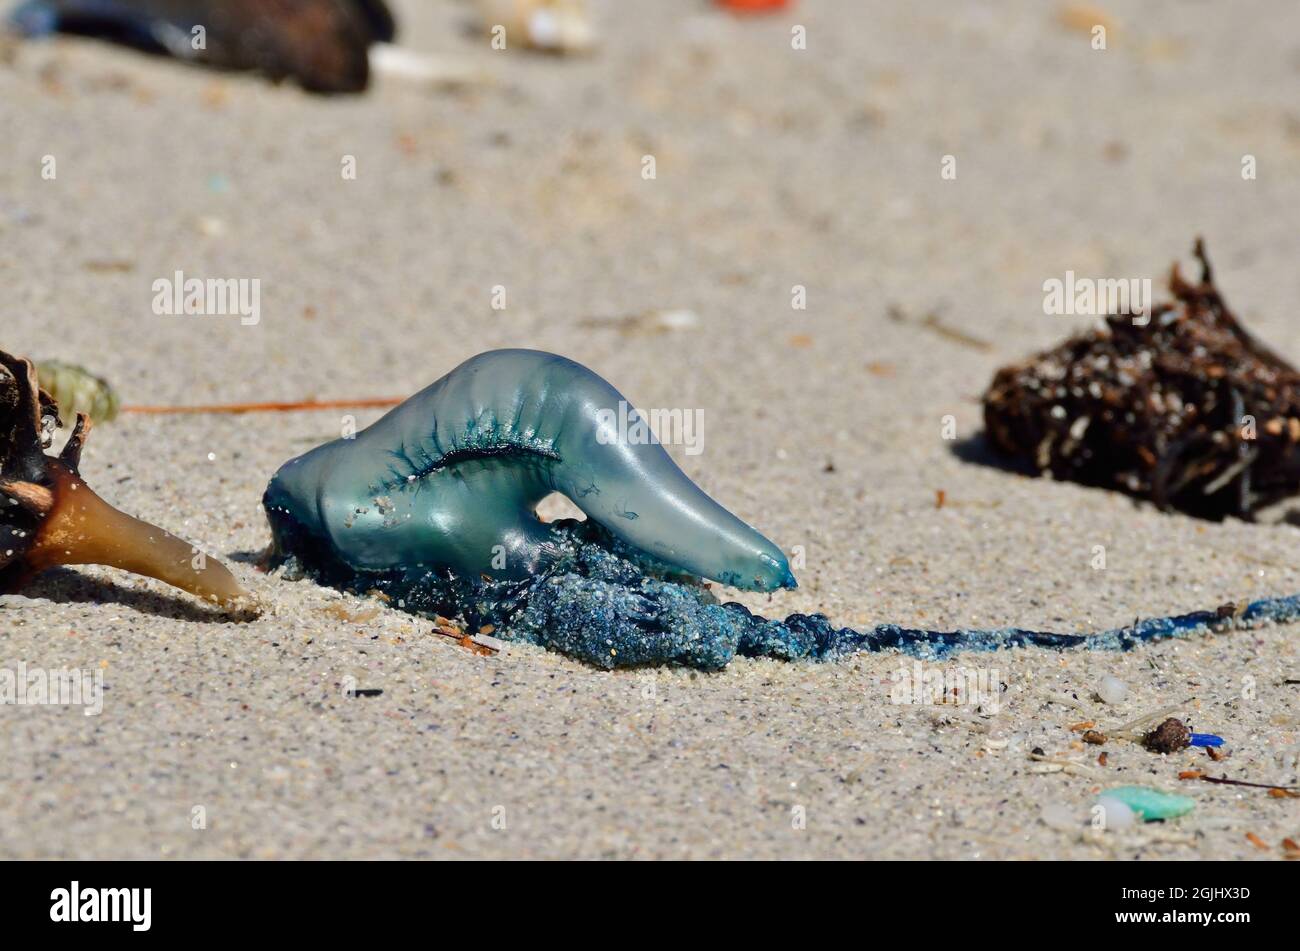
{"type": "Point", "coordinates": [321, 44]}
{"type": "Point", "coordinates": [1188, 410]}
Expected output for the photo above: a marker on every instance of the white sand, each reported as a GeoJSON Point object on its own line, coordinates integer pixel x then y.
{"type": "Point", "coordinates": [774, 167]}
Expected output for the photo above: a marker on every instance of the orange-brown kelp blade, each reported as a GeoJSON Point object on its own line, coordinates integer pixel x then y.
{"type": "Point", "coordinates": [83, 529]}
{"type": "Point", "coordinates": [50, 517]}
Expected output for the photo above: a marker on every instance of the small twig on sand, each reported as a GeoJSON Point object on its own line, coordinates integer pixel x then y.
{"type": "Point", "coordinates": [932, 322]}
{"type": "Point", "coordinates": [1133, 728]}
{"type": "Point", "coordinates": [1061, 763]}
{"type": "Point", "coordinates": [379, 402]}
{"type": "Point", "coordinates": [445, 627]}
{"type": "Point", "coordinates": [1225, 781]}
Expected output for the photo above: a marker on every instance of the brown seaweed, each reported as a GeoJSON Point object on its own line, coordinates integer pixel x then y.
{"type": "Point", "coordinates": [1187, 410]}
{"type": "Point", "coordinates": [49, 516]}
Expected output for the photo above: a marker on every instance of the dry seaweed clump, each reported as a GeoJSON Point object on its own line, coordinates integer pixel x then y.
{"type": "Point", "coordinates": [1187, 410]}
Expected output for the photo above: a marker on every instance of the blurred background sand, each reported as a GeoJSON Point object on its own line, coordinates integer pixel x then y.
{"type": "Point", "coordinates": [775, 167]}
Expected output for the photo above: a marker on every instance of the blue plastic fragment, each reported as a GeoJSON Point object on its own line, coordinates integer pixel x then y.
{"type": "Point", "coordinates": [1205, 739]}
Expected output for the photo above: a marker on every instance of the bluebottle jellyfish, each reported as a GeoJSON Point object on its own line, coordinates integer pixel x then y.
{"type": "Point", "coordinates": [434, 506]}
{"type": "Point", "coordinates": [451, 479]}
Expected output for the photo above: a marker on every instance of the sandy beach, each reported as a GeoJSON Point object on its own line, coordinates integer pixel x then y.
{"type": "Point", "coordinates": [823, 427]}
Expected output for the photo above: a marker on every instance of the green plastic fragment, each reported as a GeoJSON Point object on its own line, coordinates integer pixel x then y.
{"type": "Point", "coordinates": [1151, 804]}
